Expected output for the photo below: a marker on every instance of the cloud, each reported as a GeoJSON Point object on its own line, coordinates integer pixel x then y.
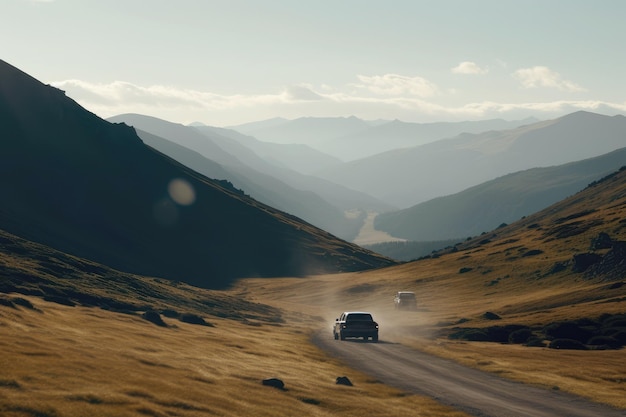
{"type": "Point", "coordinates": [468, 67]}
{"type": "Point", "coordinates": [119, 93]}
{"type": "Point", "coordinates": [397, 85]}
{"type": "Point", "coordinates": [302, 93]}
{"type": "Point", "coordinates": [540, 76]}
{"type": "Point", "coordinates": [390, 97]}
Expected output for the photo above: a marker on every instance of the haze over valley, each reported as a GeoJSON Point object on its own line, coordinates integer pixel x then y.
{"type": "Point", "coordinates": [448, 188]}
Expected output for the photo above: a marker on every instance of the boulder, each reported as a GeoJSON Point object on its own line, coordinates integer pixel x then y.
{"type": "Point", "coordinates": [274, 382]}
{"type": "Point", "coordinates": [343, 380]}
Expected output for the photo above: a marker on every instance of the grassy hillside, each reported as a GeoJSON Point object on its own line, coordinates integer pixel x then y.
{"type": "Point", "coordinates": [80, 338]}
{"type": "Point", "coordinates": [528, 273]}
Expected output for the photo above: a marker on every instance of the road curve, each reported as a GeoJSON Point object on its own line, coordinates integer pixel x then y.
{"type": "Point", "coordinates": [469, 390]}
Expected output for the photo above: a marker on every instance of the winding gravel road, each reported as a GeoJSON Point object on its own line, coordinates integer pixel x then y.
{"type": "Point", "coordinates": [472, 391]}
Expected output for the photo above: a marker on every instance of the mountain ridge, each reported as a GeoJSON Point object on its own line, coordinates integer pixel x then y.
{"type": "Point", "coordinates": [451, 165]}
{"type": "Point", "coordinates": [313, 199]}
{"type": "Point", "coordinates": [85, 186]}
{"type": "Point", "coordinates": [503, 200]}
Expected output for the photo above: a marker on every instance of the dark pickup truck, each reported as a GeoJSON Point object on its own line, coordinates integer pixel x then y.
{"type": "Point", "coordinates": [355, 324]}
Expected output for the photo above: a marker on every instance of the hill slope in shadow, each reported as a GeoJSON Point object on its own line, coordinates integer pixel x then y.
{"type": "Point", "coordinates": [87, 187]}
{"type": "Point", "coordinates": [316, 201]}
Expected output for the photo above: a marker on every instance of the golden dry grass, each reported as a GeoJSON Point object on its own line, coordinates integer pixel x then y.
{"type": "Point", "coordinates": [77, 361]}
{"type": "Point", "coordinates": [500, 279]}
{"type": "Point", "coordinates": [444, 301]}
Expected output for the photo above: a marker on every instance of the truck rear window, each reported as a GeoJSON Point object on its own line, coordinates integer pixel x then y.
{"type": "Point", "coordinates": [359, 317]}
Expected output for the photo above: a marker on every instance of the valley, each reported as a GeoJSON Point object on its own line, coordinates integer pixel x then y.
{"type": "Point", "coordinates": [368, 234]}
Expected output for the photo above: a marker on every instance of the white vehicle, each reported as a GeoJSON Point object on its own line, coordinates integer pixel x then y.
{"type": "Point", "coordinates": [405, 300]}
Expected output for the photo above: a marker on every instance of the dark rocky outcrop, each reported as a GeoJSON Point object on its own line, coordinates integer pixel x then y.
{"type": "Point", "coordinates": [610, 266]}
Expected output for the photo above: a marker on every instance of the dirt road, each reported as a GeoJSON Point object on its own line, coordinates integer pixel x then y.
{"type": "Point", "coordinates": [474, 392]}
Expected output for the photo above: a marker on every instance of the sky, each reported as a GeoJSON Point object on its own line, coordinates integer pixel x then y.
{"type": "Point", "coordinates": [224, 63]}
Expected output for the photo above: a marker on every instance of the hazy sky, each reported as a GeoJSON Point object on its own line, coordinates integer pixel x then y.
{"type": "Point", "coordinates": [232, 61]}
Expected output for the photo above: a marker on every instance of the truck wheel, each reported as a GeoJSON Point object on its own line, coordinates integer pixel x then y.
{"type": "Point", "coordinates": [341, 336]}
{"type": "Point", "coordinates": [375, 338]}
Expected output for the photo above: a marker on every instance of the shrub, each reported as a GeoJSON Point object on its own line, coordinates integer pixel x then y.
{"type": "Point", "coordinates": [606, 341]}
{"type": "Point", "coordinates": [193, 319]}
{"type": "Point", "coordinates": [520, 336]}
{"type": "Point", "coordinates": [6, 302]}
{"type": "Point", "coordinates": [534, 341]}
{"type": "Point", "coordinates": [498, 334]}
{"type": "Point", "coordinates": [567, 344]}
{"type": "Point", "coordinates": [22, 302]}
{"type": "Point", "coordinates": [59, 300]}
{"type": "Point", "coordinates": [154, 317]}
{"type": "Point", "coordinates": [620, 336]}
{"type": "Point", "coordinates": [568, 330]}
{"type": "Point", "coordinates": [170, 313]}
{"type": "Point", "coordinates": [615, 322]}
{"type": "Point", "coordinates": [470, 334]}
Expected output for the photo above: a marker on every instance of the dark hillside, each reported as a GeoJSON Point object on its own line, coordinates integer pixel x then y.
{"type": "Point", "coordinates": [502, 200]}
{"type": "Point", "coordinates": [84, 186]}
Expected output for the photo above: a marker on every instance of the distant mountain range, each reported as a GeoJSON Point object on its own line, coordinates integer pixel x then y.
{"type": "Point", "coordinates": [406, 177]}
{"type": "Point", "coordinates": [90, 188]}
{"type": "Point", "coordinates": [350, 138]}
{"type": "Point", "coordinates": [223, 154]}
{"type": "Point", "coordinates": [503, 200]}
{"type": "Point", "coordinates": [481, 162]}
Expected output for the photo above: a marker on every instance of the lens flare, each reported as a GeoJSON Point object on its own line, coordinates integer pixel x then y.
{"type": "Point", "coordinates": [181, 192]}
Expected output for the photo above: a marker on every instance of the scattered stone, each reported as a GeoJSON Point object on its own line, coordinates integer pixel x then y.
{"type": "Point", "coordinates": [491, 316]}
{"type": "Point", "coordinates": [343, 380]}
{"type": "Point", "coordinates": [274, 382]}
{"type": "Point", "coordinates": [310, 401]}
